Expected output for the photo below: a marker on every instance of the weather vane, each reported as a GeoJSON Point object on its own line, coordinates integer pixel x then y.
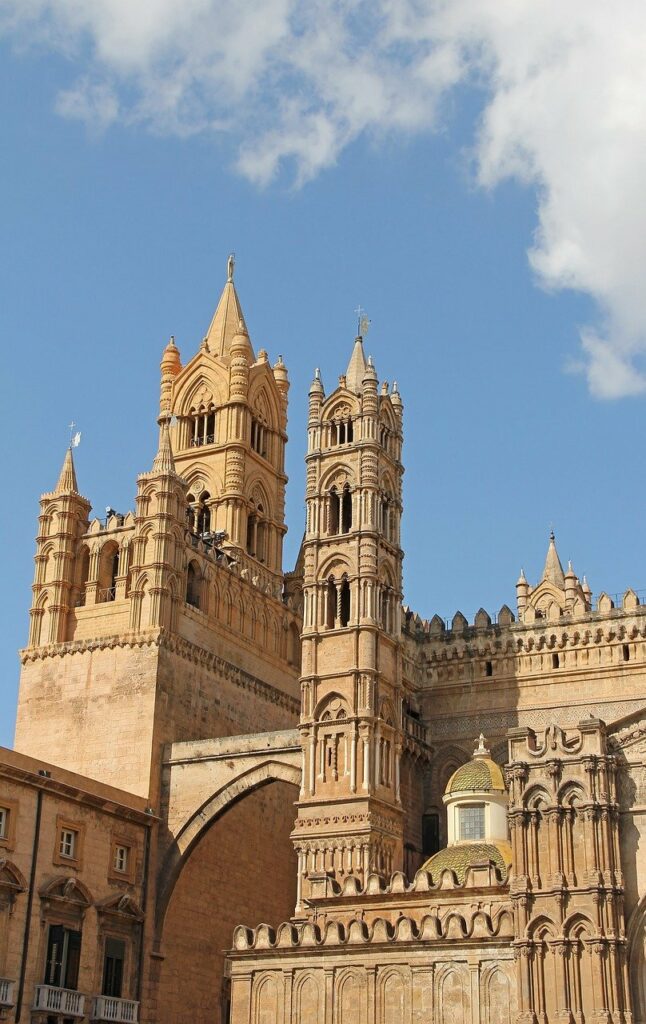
{"type": "Point", "coordinates": [363, 322]}
{"type": "Point", "coordinates": [75, 438]}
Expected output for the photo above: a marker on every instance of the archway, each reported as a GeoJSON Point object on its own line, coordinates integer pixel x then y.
{"type": "Point", "coordinates": [216, 876]}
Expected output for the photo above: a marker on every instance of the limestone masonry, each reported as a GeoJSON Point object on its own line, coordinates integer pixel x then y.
{"type": "Point", "coordinates": [247, 796]}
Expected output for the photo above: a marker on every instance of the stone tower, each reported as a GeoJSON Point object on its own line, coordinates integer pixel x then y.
{"type": "Point", "coordinates": [170, 622]}
{"type": "Point", "coordinates": [349, 813]}
{"type": "Point", "coordinates": [230, 415]}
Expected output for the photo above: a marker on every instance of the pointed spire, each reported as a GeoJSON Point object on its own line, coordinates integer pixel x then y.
{"type": "Point", "coordinates": [356, 366]}
{"type": "Point", "coordinates": [226, 319]}
{"type": "Point", "coordinates": [553, 570]}
{"type": "Point", "coordinates": [67, 480]}
{"type": "Point", "coordinates": [163, 461]}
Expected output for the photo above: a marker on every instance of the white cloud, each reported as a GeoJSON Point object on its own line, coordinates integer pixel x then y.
{"type": "Point", "coordinates": [295, 81]}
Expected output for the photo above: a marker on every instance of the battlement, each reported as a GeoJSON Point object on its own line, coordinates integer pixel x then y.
{"type": "Point", "coordinates": [437, 926]}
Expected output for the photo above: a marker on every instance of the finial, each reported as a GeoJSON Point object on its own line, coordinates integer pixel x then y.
{"type": "Point", "coordinates": [317, 374]}
{"type": "Point", "coordinates": [171, 340]}
{"type": "Point", "coordinates": [231, 262]}
{"type": "Point", "coordinates": [75, 438]}
{"type": "Point", "coordinates": [363, 323]}
{"type": "Point", "coordinates": [370, 362]}
{"type": "Point", "coordinates": [395, 388]}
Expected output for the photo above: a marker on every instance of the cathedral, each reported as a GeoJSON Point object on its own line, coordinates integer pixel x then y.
{"type": "Point", "coordinates": [246, 795]}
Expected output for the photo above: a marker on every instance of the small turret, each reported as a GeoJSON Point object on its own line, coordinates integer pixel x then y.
{"type": "Point", "coordinates": [396, 400]}
{"type": "Point", "coordinates": [170, 366]}
{"type": "Point", "coordinates": [281, 377]}
{"type": "Point", "coordinates": [571, 586]}
{"type": "Point", "coordinates": [522, 593]}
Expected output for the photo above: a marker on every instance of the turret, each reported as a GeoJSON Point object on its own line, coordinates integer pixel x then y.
{"type": "Point", "coordinates": [63, 520]}
{"type": "Point", "coordinates": [170, 366]}
{"type": "Point", "coordinates": [522, 592]}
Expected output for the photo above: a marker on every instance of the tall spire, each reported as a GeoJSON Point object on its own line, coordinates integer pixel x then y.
{"type": "Point", "coordinates": [356, 366]}
{"type": "Point", "coordinates": [553, 570]}
{"type": "Point", "coordinates": [163, 461]}
{"type": "Point", "coordinates": [226, 319]}
{"type": "Point", "coordinates": [67, 480]}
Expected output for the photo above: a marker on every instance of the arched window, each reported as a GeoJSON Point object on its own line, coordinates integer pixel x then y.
{"type": "Point", "coordinates": [333, 512]}
{"type": "Point", "coordinates": [294, 646]}
{"type": "Point", "coordinates": [203, 514]}
{"type": "Point", "coordinates": [190, 512]}
{"type": "Point", "coordinates": [330, 603]}
{"type": "Point", "coordinates": [201, 426]}
{"type": "Point", "coordinates": [108, 572]}
{"type": "Point", "coordinates": [259, 437]}
{"type": "Point", "coordinates": [84, 572]}
{"type": "Point", "coordinates": [344, 602]}
{"type": "Point", "coordinates": [193, 585]}
{"type": "Point", "coordinates": [346, 510]}
{"type": "Point", "coordinates": [251, 533]}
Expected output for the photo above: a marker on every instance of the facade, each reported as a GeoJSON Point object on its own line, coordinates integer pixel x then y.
{"type": "Point", "coordinates": [293, 752]}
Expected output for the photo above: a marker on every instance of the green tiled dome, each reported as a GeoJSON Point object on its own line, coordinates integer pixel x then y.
{"type": "Point", "coordinates": [481, 774]}
{"type": "Point", "coordinates": [459, 858]}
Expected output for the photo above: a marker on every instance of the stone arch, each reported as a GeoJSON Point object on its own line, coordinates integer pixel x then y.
{"type": "Point", "coordinates": [200, 388]}
{"type": "Point", "coordinates": [498, 995]}
{"type": "Point", "coordinates": [331, 703]}
{"type": "Point", "coordinates": [394, 996]}
{"type": "Point", "coordinates": [452, 992]}
{"type": "Point", "coordinates": [308, 1001]}
{"type": "Point", "coordinates": [636, 937]}
{"type": "Point", "coordinates": [262, 400]}
{"type": "Point", "coordinates": [228, 846]}
{"type": "Point", "coordinates": [267, 998]}
{"type": "Point", "coordinates": [205, 815]}
{"type": "Point", "coordinates": [351, 996]}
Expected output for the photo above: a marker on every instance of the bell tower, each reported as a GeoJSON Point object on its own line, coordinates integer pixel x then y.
{"type": "Point", "coordinates": [229, 410]}
{"type": "Point", "coordinates": [349, 813]}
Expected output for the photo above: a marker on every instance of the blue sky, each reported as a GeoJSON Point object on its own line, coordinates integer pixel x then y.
{"type": "Point", "coordinates": [116, 231]}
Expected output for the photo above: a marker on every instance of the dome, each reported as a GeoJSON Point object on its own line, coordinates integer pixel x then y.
{"type": "Point", "coordinates": [481, 775]}
{"type": "Point", "coordinates": [461, 857]}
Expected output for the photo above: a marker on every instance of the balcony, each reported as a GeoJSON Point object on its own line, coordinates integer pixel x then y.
{"type": "Point", "coordinates": [51, 999]}
{"type": "Point", "coordinates": [107, 1008]}
{"type": "Point", "coordinates": [415, 728]}
{"type": "Point", "coordinates": [6, 994]}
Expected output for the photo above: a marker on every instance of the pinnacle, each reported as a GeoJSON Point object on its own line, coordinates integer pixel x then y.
{"type": "Point", "coordinates": [67, 480]}
{"type": "Point", "coordinates": [356, 366]}
{"type": "Point", "coordinates": [163, 461]}
{"type": "Point", "coordinates": [553, 570]}
{"type": "Point", "coordinates": [227, 321]}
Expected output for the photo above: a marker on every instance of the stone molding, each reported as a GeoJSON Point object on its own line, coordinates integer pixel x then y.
{"type": "Point", "coordinates": [160, 638]}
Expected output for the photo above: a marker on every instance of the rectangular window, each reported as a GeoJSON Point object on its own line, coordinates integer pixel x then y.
{"type": "Point", "coordinates": [472, 821]}
{"type": "Point", "coordinates": [4, 822]}
{"type": "Point", "coordinates": [115, 954]}
{"type": "Point", "coordinates": [121, 858]}
{"type": "Point", "coordinates": [63, 957]}
{"type": "Point", "coordinates": [67, 845]}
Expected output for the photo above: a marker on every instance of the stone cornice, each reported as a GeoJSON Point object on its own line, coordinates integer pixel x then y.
{"type": "Point", "coordinates": [177, 645]}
